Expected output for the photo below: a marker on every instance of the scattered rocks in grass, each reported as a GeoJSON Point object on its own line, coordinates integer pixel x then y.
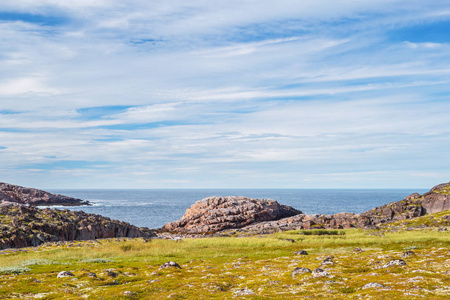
{"type": "Point", "coordinates": [358, 250]}
{"type": "Point", "coordinates": [408, 253]}
{"type": "Point", "coordinates": [395, 262]}
{"type": "Point", "coordinates": [320, 273]}
{"type": "Point", "coordinates": [170, 264]}
{"type": "Point", "coordinates": [300, 271]}
{"type": "Point", "coordinates": [373, 285]}
{"type": "Point", "coordinates": [243, 292]}
{"type": "Point", "coordinates": [300, 252]}
{"type": "Point", "coordinates": [63, 274]}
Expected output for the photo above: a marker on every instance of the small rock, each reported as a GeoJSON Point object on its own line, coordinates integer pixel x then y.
{"type": "Point", "coordinates": [300, 271]}
{"type": "Point", "coordinates": [358, 250]}
{"type": "Point", "coordinates": [170, 264]}
{"type": "Point", "coordinates": [243, 292]}
{"type": "Point", "coordinates": [289, 240]}
{"type": "Point", "coordinates": [300, 252]}
{"type": "Point", "coordinates": [395, 262]}
{"type": "Point", "coordinates": [90, 274]}
{"type": "Point", "coordinates": [320, 273]}
{"type": "Point", "coordinates": [128, 293]}
{"type": "Point", "coordinates": [373, 285]}
{"type": "Point", "coordinates": [408, 253]}
{"type": "Point", "coordinates": [36, 280]}
{"type": "Point", "coordinates": [111, 273]}
{"type": "Point", "coordinates": [63, 274]}
{"type": "Point", "coordinates": [114, 282]}
{"type": "Point", "coordinates": [328, 260]}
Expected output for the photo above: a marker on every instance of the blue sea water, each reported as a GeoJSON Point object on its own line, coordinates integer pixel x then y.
{"type": "Point", "coordinates": [154, 208]}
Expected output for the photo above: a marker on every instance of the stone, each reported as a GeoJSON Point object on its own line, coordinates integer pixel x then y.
{"type": "Point", "coordinates": [243, 292]}
{"type": "Point", "coordinates": [300, 271]}
{"type": "Point", "coordinates": [63, 274]}
{"type": "Point", "coordinates": [357, 250]}
{"type": "Point", "coordinates": [300, 252]}
{"type": "Point", "coordinates": [395, 262]}
{"type": "Point", "coordinates": [373, 285]}
{"type": "Point", "coordinates": [408, 253]}
{"type": "Point", "coordinates": [170, 264]}
{"type": "Point", "coordinates": [320, 273]}
{"type": "Point", "coordinates": [328, 260]}
{"type": "Point", "coordinates": [214, 214]}
{"type": "Point", "coordinates": [111, 273]}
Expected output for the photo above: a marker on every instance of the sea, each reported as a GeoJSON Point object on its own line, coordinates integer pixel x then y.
{"type": "Point", "coordinates": [154, 208]}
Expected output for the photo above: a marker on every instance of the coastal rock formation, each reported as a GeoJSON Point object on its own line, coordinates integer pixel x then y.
{"type": "Point", "coordinates": [218, 213]}
{"type": "Point", "coordinates": [23, 195]}
{"type": "Point", "coordinates": [266, 216]}
{"type": "Point", "coordinates": [415, 205]}
{"type": "Point", "coordinates": [23, 226]}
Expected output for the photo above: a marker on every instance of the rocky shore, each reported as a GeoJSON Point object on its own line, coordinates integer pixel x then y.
{"type": "Point", "coordinates": [22, 226]}
{"type": "Point", "coordinates": [225, 215]}
{"type": "Point", "coordinates": [23, 195]}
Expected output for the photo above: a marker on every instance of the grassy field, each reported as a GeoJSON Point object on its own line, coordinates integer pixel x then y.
{"type": "Point", "coordinates": [257, 267]}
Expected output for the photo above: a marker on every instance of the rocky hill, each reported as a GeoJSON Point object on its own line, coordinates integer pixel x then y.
{"type": "Point", "coordinates": [23, 195]}
{"type": "Point", "coordinates": [220, 213]}
{"type": "Point", "coordinates": [22, 226]}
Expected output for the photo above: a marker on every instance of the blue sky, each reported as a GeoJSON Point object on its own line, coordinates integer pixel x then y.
{"type": "Point", "coordinates": [225, 94]}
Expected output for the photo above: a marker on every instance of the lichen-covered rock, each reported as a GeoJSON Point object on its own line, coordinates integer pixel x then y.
{"type": "Point", "coordinates": [218, 213]}
{"type": "Point", "coordinates": [23, 195]}
{"type": "Point", "coordinates": [170, 264]}
{"type": "Point", "coordinates": [320, 273]}
{"type": "Point", "coordinates": [300, 252]}
{"type": "Point", "coordinates": [63, 274]}
{"type": "Point", "coordinates": [373, 285]}
{"type": "Point", "coordinates": [298, 271]}
{"type": "Point", "coordinates": [395, 262]}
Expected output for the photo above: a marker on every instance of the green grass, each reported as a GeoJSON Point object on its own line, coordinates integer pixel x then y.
{"type": "Point", "coordinates": [221, 267]}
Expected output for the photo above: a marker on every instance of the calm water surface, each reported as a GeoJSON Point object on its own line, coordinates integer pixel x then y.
{"type": "Point", "coordinates": [154, 208]}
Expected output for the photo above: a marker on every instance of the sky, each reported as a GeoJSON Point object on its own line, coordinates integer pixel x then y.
{"type": "Point", "coordinates": [224, 94]}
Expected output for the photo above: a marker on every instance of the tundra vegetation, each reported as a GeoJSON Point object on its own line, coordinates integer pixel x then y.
{"type": "Point", "coordinates": [408, 259]}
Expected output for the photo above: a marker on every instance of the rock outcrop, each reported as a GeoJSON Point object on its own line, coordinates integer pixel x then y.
{"type": "Point", "coordinates": [23, 195]}
{"type": "Point", "coordinates": [23, 226]}
{"type": "Point", "coordinates": [218, 213]}
{"type": "Point", "coordinates": [250, 215]}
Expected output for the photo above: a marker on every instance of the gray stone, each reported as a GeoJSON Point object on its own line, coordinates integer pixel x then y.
{"type": "Point", "coordinates": [373, 285]}
{"type": "Point", "coordinates": [63, 274]}
{"type": "Point", "coordinates": [298, 271]}
{"type": "Point", "coordinates": [170, 264]}
{"type": "Point", "coordinates": [395, 262]}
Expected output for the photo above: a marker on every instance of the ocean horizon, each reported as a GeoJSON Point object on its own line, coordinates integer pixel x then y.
{"type": "Point", "coordinates": [153, 208]}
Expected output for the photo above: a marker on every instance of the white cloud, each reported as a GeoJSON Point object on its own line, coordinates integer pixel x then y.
{"type": "Point", "coordinates": [257, 93]}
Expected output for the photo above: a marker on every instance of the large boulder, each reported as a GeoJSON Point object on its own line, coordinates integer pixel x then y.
{"type": "Point", "coordinates": [218, 213]}
{"type": "Point", "coordinates": [23, 195]}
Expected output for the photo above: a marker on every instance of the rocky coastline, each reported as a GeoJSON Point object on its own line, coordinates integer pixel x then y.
{"type": "Point", "coordinates": [22, 224]}
{"type": "Point", "coordinates": [30, 196]}
{"type": "Point", "coordinates": [227, 215]}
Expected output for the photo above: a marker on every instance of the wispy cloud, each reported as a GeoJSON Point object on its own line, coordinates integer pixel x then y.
{"type": "Point", "coordinates": [224, 94]}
